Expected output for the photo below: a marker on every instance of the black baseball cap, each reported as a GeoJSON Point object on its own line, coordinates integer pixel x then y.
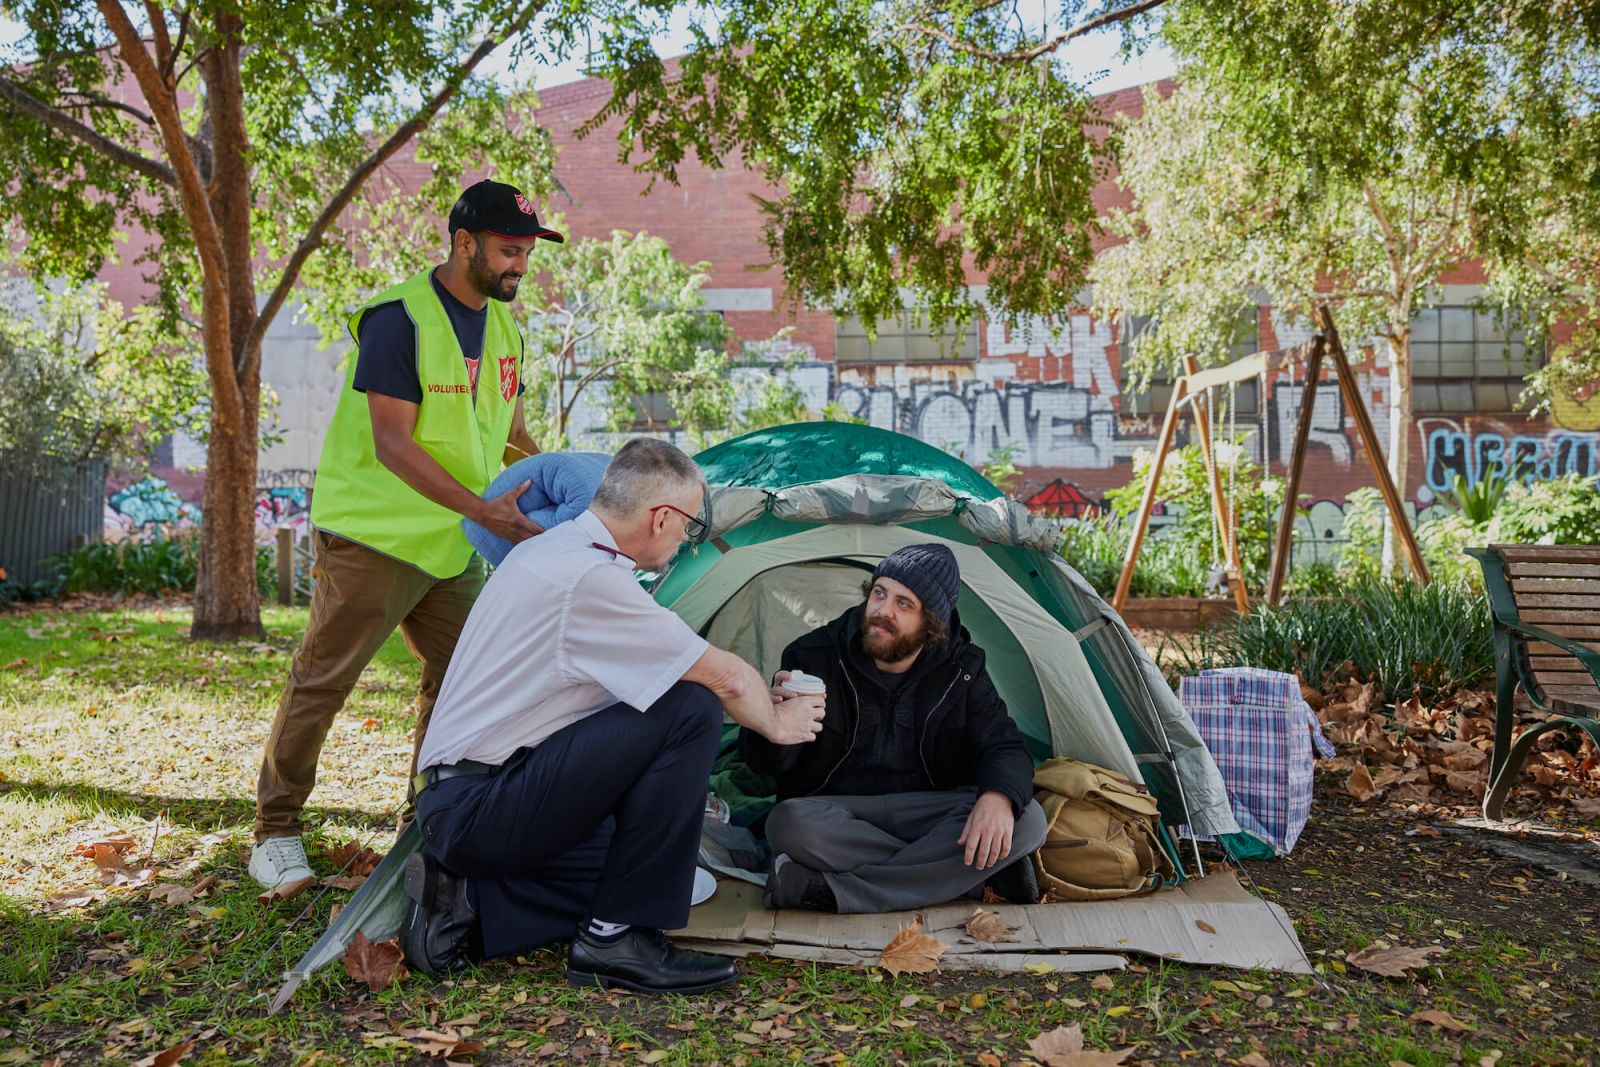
{"type": "Point", "coordinates": [498, 208]}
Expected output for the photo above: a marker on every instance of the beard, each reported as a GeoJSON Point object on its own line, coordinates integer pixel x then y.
{"type": "Point", "coordinates": [888, 645]}
{"type": "Point", "coordinates": [501, 287]}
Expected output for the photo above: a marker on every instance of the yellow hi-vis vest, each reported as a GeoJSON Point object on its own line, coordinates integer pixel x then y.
{"type": "Point", "coordinates": [360, 499]}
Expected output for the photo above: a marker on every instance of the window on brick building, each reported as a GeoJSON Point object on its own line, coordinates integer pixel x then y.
{"type": "Point", "coordinates": [906, 338]}
{"type": "Point", "coordinates": [1154, 398]}
{"type": "Point", "coordinates": [1466, 360]}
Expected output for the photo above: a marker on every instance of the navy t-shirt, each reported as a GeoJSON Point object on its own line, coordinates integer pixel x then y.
{"type": "Point", "coordinates": [386, 361]}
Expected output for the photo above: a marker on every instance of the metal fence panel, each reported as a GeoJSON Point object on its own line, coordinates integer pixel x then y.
{"type": "Point", "coordinates": [41, 515]}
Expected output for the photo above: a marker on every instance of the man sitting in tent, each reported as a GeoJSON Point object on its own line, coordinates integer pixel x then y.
{"type": "Point", "coordinates": [919, 789]}
{"type": "Point", "coordinates": [564, 774]}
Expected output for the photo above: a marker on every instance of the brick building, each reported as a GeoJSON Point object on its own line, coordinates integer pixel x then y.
{"type": "Point", "coordinates": [1053, 397]}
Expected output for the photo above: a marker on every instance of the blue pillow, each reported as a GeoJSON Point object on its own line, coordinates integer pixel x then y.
{"type": "Point", "coordinates": [563, 484]}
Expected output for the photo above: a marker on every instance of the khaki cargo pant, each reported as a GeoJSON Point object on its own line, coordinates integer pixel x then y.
{"type": "Point", "coordinates": [359, 598]}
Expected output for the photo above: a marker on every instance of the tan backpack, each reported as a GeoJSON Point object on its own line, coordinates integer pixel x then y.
{"type": "Point", "coordinates": [1102, 839]}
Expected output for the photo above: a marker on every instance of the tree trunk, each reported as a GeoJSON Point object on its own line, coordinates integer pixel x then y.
{"type": "Point", "coordinates": [1399, 338]}
{"type": "Point", "coordinates": [227, 605]}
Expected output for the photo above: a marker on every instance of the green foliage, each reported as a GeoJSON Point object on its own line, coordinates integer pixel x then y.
{"type": "Point", "coordinates": [1477, 503]}
{"type": "Point", "coordinates": [1001, 468]}
{"type": "Point", "coordinates": [1492, 101]}
{"type": "Point", "coordinates": [1554, 511]}
{"type": "Point", "coordinates": [624, 319]}
{"type": "Point", "coordinates": [907, 142]}
{"type": "Point", "coordinates": [150, 566]}
{"type": "Point", "coordinates": [1186, 549]}
{"type": "Point", "coordinates": [1407, 639]}
{"type": "Point", "coordinates": [81, 380]}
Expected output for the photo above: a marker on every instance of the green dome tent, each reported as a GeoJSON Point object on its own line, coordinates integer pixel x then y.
{"type": "Point", "coordinates": [801, 513]}
{"type": "Point", "coordinates": [799, 516]}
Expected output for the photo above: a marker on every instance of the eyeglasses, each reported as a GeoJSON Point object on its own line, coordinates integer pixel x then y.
{"type": "Point", "coordinates": [695, 529]}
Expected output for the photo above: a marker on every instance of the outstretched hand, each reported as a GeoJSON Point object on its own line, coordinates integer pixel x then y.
{"type": "Point", "coordinates": [795, 720]}
{"type": "Point", "coordinates": [987, 834]}
{"type": "Point", "coordinates": [501, 516]}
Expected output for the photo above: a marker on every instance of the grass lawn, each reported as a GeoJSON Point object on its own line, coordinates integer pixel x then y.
{"type": "Point", "coordinates": [113, 725]}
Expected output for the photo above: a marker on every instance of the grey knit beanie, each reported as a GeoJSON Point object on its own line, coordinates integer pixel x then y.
{"type": "Point", "coordinates": [930, 571]}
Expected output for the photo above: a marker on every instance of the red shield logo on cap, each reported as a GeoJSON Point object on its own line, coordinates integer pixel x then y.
{"type": "Point", "coordinates": [522, 203]}
{"type": "Point", "coordinates": [508, 378]}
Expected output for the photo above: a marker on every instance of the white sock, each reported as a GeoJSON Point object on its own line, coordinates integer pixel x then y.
{"type": "Point", "coordinates": [606, 931]}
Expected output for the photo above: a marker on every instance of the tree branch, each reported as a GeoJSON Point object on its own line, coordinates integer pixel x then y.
{"type": "Point", "coordinates": [61, 122]}
{"type": "Point", "coordinates": [93, 100]}
{"type": "Point", "coordinates": [225, 392]}
{"type": "Point", "coordinates": [1028, 55]}
{"type": "Point", "coordinates": [177, 50]}
{"type": "Point", "coordinates": [396, 140]}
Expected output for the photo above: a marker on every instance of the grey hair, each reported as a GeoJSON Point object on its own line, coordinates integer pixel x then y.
{"type": "Point", "coordinates": [641, 473]}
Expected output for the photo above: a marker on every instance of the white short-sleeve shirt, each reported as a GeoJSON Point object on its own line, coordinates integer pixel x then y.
{"type": "Point", "coordinates": [561, 630]}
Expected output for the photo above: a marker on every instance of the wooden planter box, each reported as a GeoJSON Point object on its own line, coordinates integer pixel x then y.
{"type": "Point", "coordinates": [1176, 612]}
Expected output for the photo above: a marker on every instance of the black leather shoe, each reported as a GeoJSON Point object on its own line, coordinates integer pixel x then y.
{"type": "Point", "coordinates": [645, 961]}
{"type": "Point", "coordinates": [441, 923]}
{"type": "Point", "coordinates": [1017, 882]}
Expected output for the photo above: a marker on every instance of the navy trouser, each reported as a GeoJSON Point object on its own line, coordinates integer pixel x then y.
{"type": "Point", "coordinates": [600, 820]}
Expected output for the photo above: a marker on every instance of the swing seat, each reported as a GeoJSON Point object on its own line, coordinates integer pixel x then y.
{"type": "Point", "coordinates": [1545, 600]}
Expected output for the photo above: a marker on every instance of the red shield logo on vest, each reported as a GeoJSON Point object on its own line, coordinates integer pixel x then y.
{"type": "Point", "coordinates": [508, 378]}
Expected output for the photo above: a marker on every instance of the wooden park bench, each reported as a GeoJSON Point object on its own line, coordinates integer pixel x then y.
{"type": "Point", "coordinates": [1546, 605]}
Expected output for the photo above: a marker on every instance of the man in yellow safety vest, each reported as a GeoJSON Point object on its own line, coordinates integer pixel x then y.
{"type": "Point", "coordinates": [431, 401]}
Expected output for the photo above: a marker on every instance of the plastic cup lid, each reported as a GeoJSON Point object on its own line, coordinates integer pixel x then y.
{"type": "Point", "coordinates": [802, 683]}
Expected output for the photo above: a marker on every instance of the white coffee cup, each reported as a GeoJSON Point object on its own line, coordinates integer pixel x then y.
{"type": "Point", "coordinates": [802, 684]}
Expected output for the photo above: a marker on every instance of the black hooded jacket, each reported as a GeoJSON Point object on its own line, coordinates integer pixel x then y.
{"type": "Point", "coordinates": [966, 737]}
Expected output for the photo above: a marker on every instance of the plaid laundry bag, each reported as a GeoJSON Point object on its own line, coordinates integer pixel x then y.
{"type": "Point", "coordinates": [1261, 732]}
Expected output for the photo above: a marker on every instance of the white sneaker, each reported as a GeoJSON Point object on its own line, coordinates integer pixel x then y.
{"type": "Point", "coordinates": [279, 860]}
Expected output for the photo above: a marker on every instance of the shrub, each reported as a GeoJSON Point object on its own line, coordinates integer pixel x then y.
{"type": "Point", "coordinates": [1556, 511]}
{"type": "Point", "coordinates": [151, 567]}
{"type": "Point", "coordinates": [1408, 640]}
{"type": "Point", "coordinates": [1176, 559]}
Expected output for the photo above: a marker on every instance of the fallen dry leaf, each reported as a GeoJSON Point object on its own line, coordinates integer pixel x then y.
{"type": "Point", "coordinates": [1203, 925]}
{"type": "Point", "coordinates": [1442, 1019]}
{"type": "Point", "coordinates": [352, 859]}
{"type": "Point", "coordinates": [911, 950]}
{"type": "Point", "coordinates": [1359, 784]}
{"type": "Point", "coordinates": [988, 1059]}
{"type": "Point", "coordinates": [286, 891]}
{"type": "Point", "coordinates": [1102, 983]}
{"type": "Point", "coordinates": [1063, 1047]}
{"type": "Point", "coordinates": [349, 881]}
{"type": "Point", "coordinates": [438, 1045]}
{"type": "Point", "coordinates": [1393, 962]}
{"type": "Point", "coordinates": [166, 1059]}
{"type": "Point", "coordinates": [171, 893]}
{"type": "Point", "coordinates": [1586, 805]}
{"type": "Point", "coordinates": [1253, 1059]}
{"type": "Point", "coordinates": [376, 965]}
{"type": "Point", "coordinates": [988, 926]}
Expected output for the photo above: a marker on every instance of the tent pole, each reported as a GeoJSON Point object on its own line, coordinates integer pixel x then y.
{"type": "Point", "coordinates": [1297, 466]}
{"type": "Point", "coordinates": [1168, 754]}
{"type": "Point", "coordinates": [1369, 441]}
{"type": "Point", "coordinates": [1169, 428]}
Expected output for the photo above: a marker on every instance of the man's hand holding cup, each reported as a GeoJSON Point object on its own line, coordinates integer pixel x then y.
{"type": "Point", "coordinates": [799, 701]}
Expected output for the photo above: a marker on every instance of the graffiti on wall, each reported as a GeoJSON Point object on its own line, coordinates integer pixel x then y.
{"type": "Point", "coordinates": [283, 498]}
{"type": "Point", "coordinates": [146, 507]}
{"type": "Point", "coordinates": [1475, 452]}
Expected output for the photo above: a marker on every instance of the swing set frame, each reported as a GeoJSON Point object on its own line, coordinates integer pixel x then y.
{"type": "Point", "coordinates": [1325, 344]}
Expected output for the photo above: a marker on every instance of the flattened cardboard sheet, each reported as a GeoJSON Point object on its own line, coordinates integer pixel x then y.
{"type": "Point", "coordinates": [1211, 920]}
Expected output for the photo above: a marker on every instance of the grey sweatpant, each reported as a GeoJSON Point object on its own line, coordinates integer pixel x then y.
{"type": "Point", "coordinates": [889, 853]}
